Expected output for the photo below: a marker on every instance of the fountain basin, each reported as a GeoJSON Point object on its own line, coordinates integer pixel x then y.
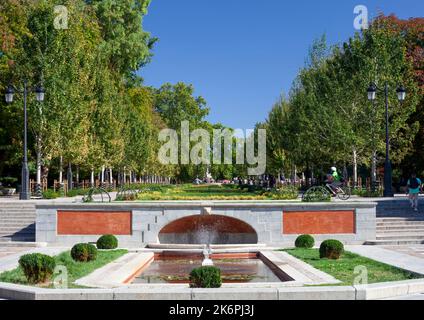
{"type": "Point", "coordinates": [150, 268]}
{"type": "Point", "coordinates": [175, 267]}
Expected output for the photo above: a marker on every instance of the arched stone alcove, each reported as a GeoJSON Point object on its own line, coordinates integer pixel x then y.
{"type": "Point", "coordinates": [213, 229]}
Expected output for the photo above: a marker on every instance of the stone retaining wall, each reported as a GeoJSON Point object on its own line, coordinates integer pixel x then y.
{"type": "Point", "coordinates": [350, 222]}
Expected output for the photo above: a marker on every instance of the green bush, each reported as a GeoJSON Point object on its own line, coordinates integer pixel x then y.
{"type": "Point", "coordinates": [37, 267]}
{"type": "Point", "coordinates": [205, 277]}
{"type": "Point", "coordinates": [107, 241]}
{"type": "Point", "coordinates": [331, 249]}
{"type": "Point", "coordinates": [304, 241]}
{"type": "Point", "coordinates": [50, 194]}
{"type": "Point", "coordinates": [366, 193]}
{"type": "Point", "coordinates": [84, 252]}
{"type": "Point", "coordinates": [76, 192]}
{"type": "Point", "coordinates": [286, 192]}
{"type": "Point", "coordinates": [316, 194]}
{"type": "Point", "coordinates": [8, 181]}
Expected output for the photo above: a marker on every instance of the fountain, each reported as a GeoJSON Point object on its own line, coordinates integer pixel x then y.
{"type": "Point", "coordinates": [207, 261]}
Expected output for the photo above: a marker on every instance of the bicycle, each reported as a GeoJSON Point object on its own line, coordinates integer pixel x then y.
{"type": "Point", "coordinates": [343, 192]}
{"type": "Point", "coordinates": [324, 193]}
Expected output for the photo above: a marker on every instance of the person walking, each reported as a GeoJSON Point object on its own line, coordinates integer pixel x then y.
{"type": "Point", "coordinates": [414, 188]}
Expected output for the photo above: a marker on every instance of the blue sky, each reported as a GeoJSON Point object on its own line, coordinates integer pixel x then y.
{"type": "Point", "coordinates": [240, 55]}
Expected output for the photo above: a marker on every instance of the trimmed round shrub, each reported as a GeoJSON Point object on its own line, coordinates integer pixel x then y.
{"type": "Point", "coordinates": [37, 267]}
{"type": "Point", "coordinates": [331, 249]}
{"type": "Point", "coordinates": [107, 241]}
{"type": "Point", "coordinates": [304, 241]}
{"type": "Point", "coordinates": [84, 252]}
{"type": "Point", "coordinates": [205, 277]}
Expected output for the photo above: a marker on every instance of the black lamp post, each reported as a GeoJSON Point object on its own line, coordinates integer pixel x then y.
{"type": "Point", "coordinates": [25, 193]}
{"type": "Point", "coordinates": [401, 94]}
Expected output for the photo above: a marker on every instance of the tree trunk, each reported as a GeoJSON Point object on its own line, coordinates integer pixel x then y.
{"type": "Point", "coordinates": [38, 188]}
{"type": "Point", "coordinates": [295, 174]}
{"type": "Point", "coordinates": [92, 178]}
{"type": "Point", "coordinates": [69, 176]}
{"type": "Point", "coordinates": [77, 175]}
{"type": "Point", "coordinates": [355, 168]}
{"type": "Point", "coordinates": [60, 170]}
{"type": "Point", "coordinates": [102, 176]}
{"type": "Point", "coordinates": [373, 170]}
{"type": "Point", "coordinates": [110, 176]}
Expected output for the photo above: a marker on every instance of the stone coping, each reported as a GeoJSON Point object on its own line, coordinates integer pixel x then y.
{"type": "Point", "coordinates": [179, 292]}
{"type": "Point", "coordinates": [288, 205]}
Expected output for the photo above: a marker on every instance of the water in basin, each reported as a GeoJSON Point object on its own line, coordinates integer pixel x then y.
{"type": "Point", "coordinates": [177, 270]}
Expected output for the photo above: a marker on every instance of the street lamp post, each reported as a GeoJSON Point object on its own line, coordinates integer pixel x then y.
{"type": "Point", "coordinates": [25, 193]}
{"type": "Point", "coordinates": [401, 94]}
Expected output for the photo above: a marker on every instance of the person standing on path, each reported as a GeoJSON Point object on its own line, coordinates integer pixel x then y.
{"type": "Point", "coordinates": [414, 189]}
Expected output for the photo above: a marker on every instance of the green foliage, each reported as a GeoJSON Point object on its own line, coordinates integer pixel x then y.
{"type": "Point", "coordinates": [75, 269]}
{"type": "Point", "coordinates": [107, 241]}
{"type": "Point", "coordinates": [51, 194]}
{"type": "Point", "coordinates": [286, 192]}
{"type": "Point", "coordinates": [214, 192]}
{"type": "Point", "coordinates": [328, 106]}
{"type": "Point", "coordinates": [316, 194]}
{"type": "Point", "coordinates": [37, 267]}
{"type": "Point", "coordinates": [84, 252]}
{"type": "Point", "coordinates": [113, 120]}
{"type": "Point", "coordinates": [76, 192]}
{"type": "Point", "coordinates": [175, 104]}
{"type": "Point", "coordinates": [366, 193]}
{"type": "Point", "coordinates": [8, 181]}
{"type": "Point", "coordinates": [331, 249]}
{"type": "Point", "coordinates": [345, 268]}
{"type": "Point", "coordinates": [205, 277]}
{"type": "Point", "coordinates": [304, 241]}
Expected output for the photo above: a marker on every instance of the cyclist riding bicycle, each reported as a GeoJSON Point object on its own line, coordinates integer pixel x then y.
{"type": "Point", "coordinates": [334, 180]}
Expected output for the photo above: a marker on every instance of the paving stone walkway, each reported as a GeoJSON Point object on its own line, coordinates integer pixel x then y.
{"type": "Point", "coordinates": [412, 250]}
{"type": "Point", "coordinates": [7, 251]}
{"type": "Point", "coordinates": [9, 259]}
{"type": "Point", "coordinates": [406, 257]}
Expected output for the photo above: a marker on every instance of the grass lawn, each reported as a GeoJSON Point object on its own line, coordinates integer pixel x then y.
{"type": "Point", "coordinates": [212, 192]}
{"type": "Point", "coordinates": [343, 269]}
{"type": "Point", "coordinates": [76, 270]}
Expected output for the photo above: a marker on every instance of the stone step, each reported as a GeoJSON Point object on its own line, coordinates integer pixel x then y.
{"type": "Point", "coordinates": [13, 239]}
{"type": "Point", "coordinates": [17, 223]}
{"type": "Point", "coordinates": [20, 232]}
{"type": "Point", "coordinates": [16, 220]}
{"type": "Point", "coordinates": [404, 220]}
{"type": "Point", "coordinates": [401, 236]}
{"type": "Point", "coordinates": [15, 209]}
{"type": "Point", "coordinates": [399, 219]}
{"type": "Point", "coordinates": [16, 205]}
{"type": "Point", "coordinates": [400, 228]}
{"type": "Point", "coordinates": [20, 235]}
{"type": "Point", "coordinates": [394, 242]}
{"type": "Point", "coordinates": [24, 211]}
{"type": "Point", "coordinates": [398, 231]}
{"type": "Point", "coordinates": [6, 210]}
{"type": "Point", "coordinates": [8, 243]}
{"type": "Point", "coordinates": [18, 216]}
{"type": "Point", "coordinates": [405, 211]}
{"type": "Point", "coordinates": [16, 226]}
{"type": "Point", "coordinates": [2, 208]}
